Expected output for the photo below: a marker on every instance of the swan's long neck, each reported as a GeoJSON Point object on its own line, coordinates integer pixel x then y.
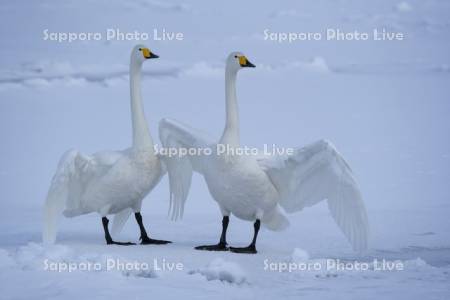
{"type": "Point", "coordinates": [230, 134]}
{"type": "Point", "coordinates": [141, 134]}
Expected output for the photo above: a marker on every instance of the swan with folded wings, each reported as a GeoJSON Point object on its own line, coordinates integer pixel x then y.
{"type": "Point", "coordinates": [109, 182]}
{"type": "Point", "coordinates": [254, 187]}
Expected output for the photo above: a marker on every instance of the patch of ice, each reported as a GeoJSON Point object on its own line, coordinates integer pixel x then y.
{"type": "Point", "coordinates": [317, 64]}
{"type": "Point", "coordinates": [444, 68]}
{"type": "Point", "coordinates": [203, 69]}
{"type": "Point", "coordinates": [222, 270]}
{"type": "Point", "coordinates": [289, 13]}
{"type": "Point", "coordinates": [425, 233]}
{"type": "Point", "coordinates": [403, 7]}
{"type": "Point", "coordinates": [161, 6]}
{"type": "Point", "coordinates": [141, 273]}
{"type": "Point", "coordinates": [37, 83]}
{"type": "Point", "coordinates": [416, 264]}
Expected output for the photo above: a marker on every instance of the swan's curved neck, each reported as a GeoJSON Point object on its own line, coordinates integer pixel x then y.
{"type": "Point", "coordinates": [141, 134]}
{"type": "Point", "coordinates": [230, 134]}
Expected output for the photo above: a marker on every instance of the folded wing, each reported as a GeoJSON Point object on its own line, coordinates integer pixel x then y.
{"type": "Point", "coordinates": [177, 137]}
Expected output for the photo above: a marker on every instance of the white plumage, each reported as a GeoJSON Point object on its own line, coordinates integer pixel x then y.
{"type": "Point", "coordinates": [110, 182]}
{"type": "Point", "coordinates": [254, 187]}
{"type": "Point", "coordinates": [314, 173]}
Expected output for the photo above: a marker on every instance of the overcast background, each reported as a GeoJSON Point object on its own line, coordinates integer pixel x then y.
{"type": "Point", "coordinates": [384, 104]}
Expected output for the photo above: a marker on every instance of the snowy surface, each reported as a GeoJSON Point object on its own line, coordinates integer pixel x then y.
{"type": "Point", "coordinates": [384, 104]}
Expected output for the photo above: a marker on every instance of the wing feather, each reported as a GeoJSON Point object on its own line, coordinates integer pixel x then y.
{"type": "Point", "coordinates": [175, 135]}
{"type": "Point", "coordinates": [315, 173]}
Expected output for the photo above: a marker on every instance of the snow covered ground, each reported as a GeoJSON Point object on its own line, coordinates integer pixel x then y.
{"type": "Point", "coordinates": [384, 104]}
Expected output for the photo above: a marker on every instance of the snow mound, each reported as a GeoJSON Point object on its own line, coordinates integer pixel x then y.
{"type": "Point", "coordinates": [59, 258]}
{"type": "Point", "coordinates": [222, 270]}
{"type": "Point", "coordinates": [32, 256]}
{"type": "Point", "coordinates": [6, 260]}
{"type": "Point", "coordinates": [44, 74]}
{"type": "Point", "coordinates": [299, 255]}
{"type": "Point", "coordinates": [317, 64]}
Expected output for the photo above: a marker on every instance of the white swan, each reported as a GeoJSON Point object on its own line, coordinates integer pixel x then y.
{"type": "Point", "coordinates": [113, 182]}
{"type": "Point", "coordinates": [252, 188]}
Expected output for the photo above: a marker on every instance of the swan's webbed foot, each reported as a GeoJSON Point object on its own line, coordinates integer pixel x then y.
{"type": "Point", "coordinates": [148, 241]}
{"type": "Point", "coordinates": [111, 242]}
{"type": "Point", "coordinates": [145, 240]}
{"type": "Point", "coordinates": [251, 249]}
{"type": "Point", "coordinates": [246, 250]}
{"type": "Point", "coordinates": [218, 247]}
{"type": "Point", "coordinates": [222, 245]}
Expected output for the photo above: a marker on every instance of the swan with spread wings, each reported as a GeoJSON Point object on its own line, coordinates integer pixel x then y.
{"type": "Point", "coordinates": [254, 187]}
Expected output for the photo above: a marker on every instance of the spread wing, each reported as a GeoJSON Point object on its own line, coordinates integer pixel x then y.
{"type": "Point", "coordinates": [74, 172]}
{"type": "Point", "coordinates": [315, 173]}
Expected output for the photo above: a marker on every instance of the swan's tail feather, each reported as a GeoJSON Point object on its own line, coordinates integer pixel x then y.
{"type": "Point", "coordinates": [275, 220]}
{"type": "Point", "coordinates": [119, 220]}
{"type": "Point", "coordinates": [57, 196]}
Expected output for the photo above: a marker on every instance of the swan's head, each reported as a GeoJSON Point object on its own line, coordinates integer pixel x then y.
{"type": "Point", "coordinates": [141, 53]}
{"type": "Point", "coordinates": [237, 61]}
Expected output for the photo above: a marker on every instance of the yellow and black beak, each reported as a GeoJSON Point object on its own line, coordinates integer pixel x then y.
{"type": "Point", "coordinates": [244, 62]}
{"type": "Point", "coordinates": [148, 54]}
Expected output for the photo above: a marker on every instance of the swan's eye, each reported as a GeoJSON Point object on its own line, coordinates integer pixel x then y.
{"type": "Point", "coordinates": [235, 56]}
{"type": "Point", "coordinates": [140, 49]}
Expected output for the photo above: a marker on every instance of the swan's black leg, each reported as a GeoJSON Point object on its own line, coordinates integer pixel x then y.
{"type": "Point", "coordinates": [145, 240]}
{"type": "Point", "coordinates": [108, 238]}
{"type": "Point", "coordinates": [222, 245]}
{"type": "Point", "coordinates": [251, 249]}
